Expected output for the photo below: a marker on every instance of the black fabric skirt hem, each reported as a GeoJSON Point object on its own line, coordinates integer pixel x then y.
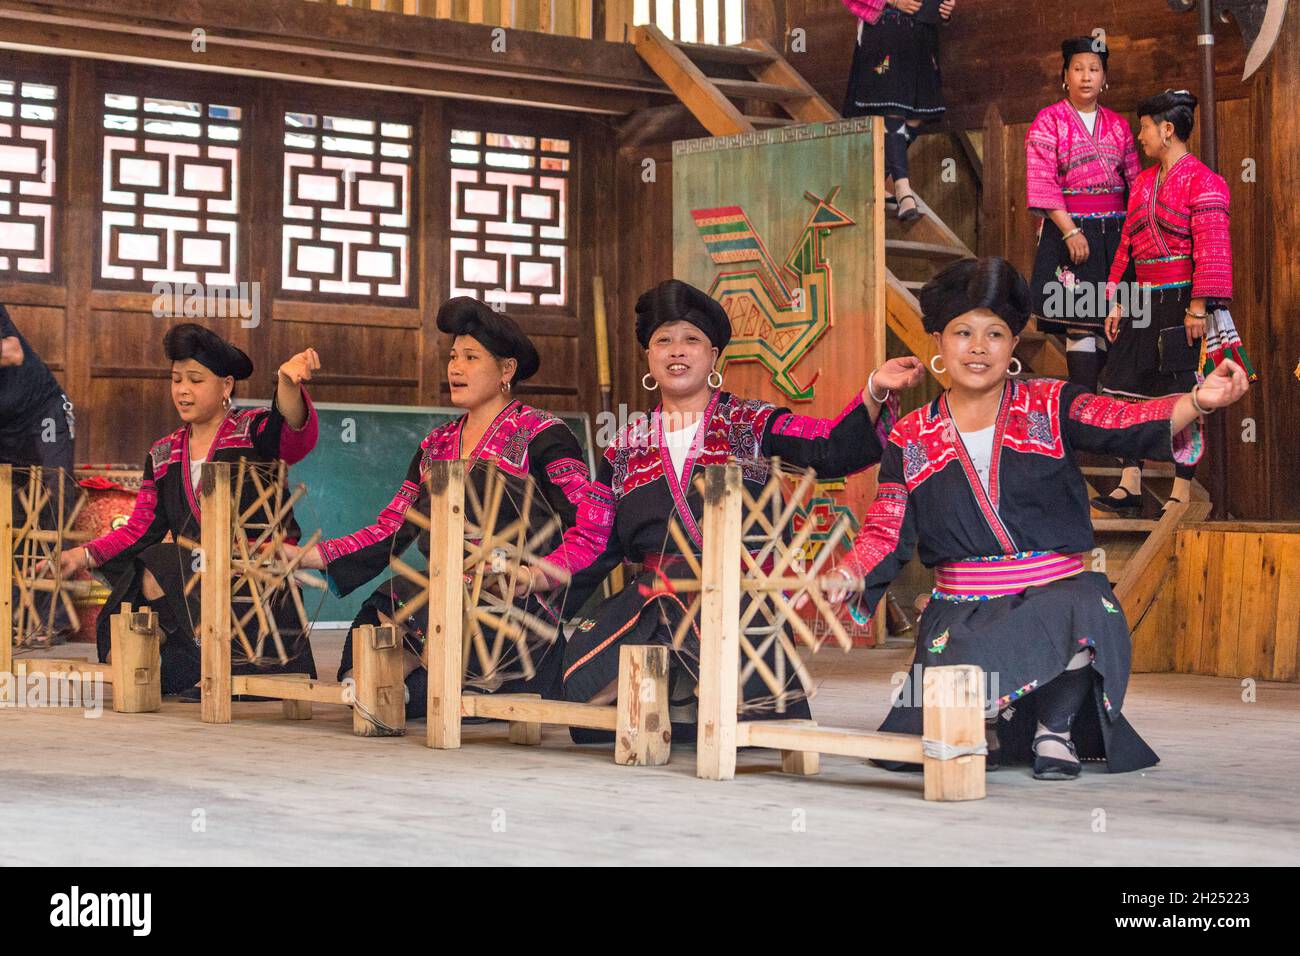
{"type": "Point", "coordinates": [1052, 267]}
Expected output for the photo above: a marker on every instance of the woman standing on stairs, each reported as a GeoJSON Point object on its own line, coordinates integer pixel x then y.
{"type": "Point", "coordinates": [1177, 235]}
{"type": "Point", "coordinates": [1081, 161]}
{"type": "Point", "coordinates": [895, 74]}
{"type": "Point", "coordinates": [983, 482]}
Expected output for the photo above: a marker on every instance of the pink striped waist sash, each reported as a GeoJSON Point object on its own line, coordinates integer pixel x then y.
{"type": "Point", "coordinates": [1002, 576]}
{"type": "Point", "coordinates": [1092, 203]}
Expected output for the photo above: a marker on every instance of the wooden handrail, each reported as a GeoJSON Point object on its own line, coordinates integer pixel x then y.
{"type": "Point", "coordinates": [576, 18]}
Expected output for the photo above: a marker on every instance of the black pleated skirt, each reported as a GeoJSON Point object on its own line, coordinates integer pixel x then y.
{"type": "Point", "coordinates": [1023, 642]}
{"type": "Point", "coordinates": [1151, 358]}
{"type": "Point", "coordinates": [178, 617]}
{"type": "Point", "coordinates": [895, 69]}
{"type": "Point", "coordinates": [1067, 294]}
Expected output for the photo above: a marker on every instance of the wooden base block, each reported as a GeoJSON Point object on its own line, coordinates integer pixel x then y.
{"type": "Point", "coordinates": [379, 668]}
{"type": "Point", "coordinates": [644, 734]}
{"type": "Point", "coordinates": [804, 763]}
{"type": "Point", "coordinates": [296, 709]}
{"type": "Point", "coordinates": [953, 716]}
{"type": "Point", "coordinates": [136, 662]}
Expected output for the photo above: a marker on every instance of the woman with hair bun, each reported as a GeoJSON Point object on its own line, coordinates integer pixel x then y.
{"type": "Point", "coordinates": [647, 478]}
{"type": "Point", "coordinates": [983, 480]}
{"type": "Point", "coordinates": [1080, 162]}
{"type": "Point", "coordinates": [204, 369]}
{"type": "Point", "coordinates": [1176, 234]}
{"type": "Point", "coordinates": [489, 356]}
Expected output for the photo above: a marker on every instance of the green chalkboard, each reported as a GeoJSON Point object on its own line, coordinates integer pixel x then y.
{"type": "Point", "coordinates": [358, 464]}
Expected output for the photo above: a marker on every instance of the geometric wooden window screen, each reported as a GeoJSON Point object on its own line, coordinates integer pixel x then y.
{"type": "Point", "coordinates": [347, 227]}
{"type": "Point", "coordinates": [169, 206]}
{"type": "Point", "coordinates": [29, 116]}
{"type": "Point", "coordinates": [510, 217]}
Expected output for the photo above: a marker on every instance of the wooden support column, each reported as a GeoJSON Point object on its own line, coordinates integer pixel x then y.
{"type": "Point", "coordinates": [720, 623]}
{"type": "Point", "coordinates": [378, 665]}
{"type": "Point", "coordinates": [6, 569]}
{"type": "Point", "coordinates": [214, 621]}
{"type": "Point", "coordinates": [953, 718]}
{"type": "Point", "coordinates": [442, 649]}
{"type": "Point", "coordinates": [644, 736]}
{"type": "Point", "coordinates": [136, 661]}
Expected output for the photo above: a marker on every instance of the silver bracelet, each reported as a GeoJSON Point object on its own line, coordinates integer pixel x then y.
{"type": "Point", "coordinates": [1197, 405]}
{"type": "Point", "coordinates": [872, 391]}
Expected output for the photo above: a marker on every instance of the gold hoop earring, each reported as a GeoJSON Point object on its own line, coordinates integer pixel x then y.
{"type": "Point", "coordinates": [225, 402]}
{"type": "Point", "coordinates": [712, 383]}
{"type": "Point", "coordinates": [505, 388]}
{"type": "Point", "coordinates": [1019, 368]}
{"type": "Point", "coordinates": [937, 371]}
{"type": "Point", "coordinates": [1065, 87]}
{"type": "Point", "coordinates": [648, 388]}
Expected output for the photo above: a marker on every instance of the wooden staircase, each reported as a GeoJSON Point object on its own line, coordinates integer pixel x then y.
{"type": "Point", "coordinates": [1139, 552]}
{"type": "Point", "coordinates": [721, 87]}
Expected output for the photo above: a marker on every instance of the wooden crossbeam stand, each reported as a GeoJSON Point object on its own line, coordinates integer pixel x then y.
{"type": "Point", "coordinates": [952, 745]}
{"type": "Point", "coordinates": [456, 569]}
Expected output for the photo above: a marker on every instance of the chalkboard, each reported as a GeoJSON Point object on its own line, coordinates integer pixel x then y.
{"type": "Point", "coordinates": [357, 466]}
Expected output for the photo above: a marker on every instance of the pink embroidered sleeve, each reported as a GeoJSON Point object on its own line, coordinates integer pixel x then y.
{"type": "Point", "coordinates": [1123, 252]}
{"type": "Point", "coordinates": [1211, 243]}
{"type": "Point", "coordinates": [297, 443]}
{"type": "Point", "coordinates": [587, 538]}
{"type": "Point", "coordinates": [386, 525]}
{"type": "Point", "coordinates": [886, 539]}
{"type": "Point", "coordinates": [1041, 162]}
{"type": "Point", "coordinates": [869, 10]}
{"type": "Point", "coordinates": [1130, 166]}
{"type": "Point", "coordinates": [1104, 425]}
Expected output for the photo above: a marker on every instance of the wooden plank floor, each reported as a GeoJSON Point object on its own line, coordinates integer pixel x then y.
{"type": "Point", "coordinates": [126, 788]}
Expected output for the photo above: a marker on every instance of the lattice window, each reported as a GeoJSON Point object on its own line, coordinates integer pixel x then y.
{"type": "Point", "coordinates": [348, 222]}
{"type": "Point", "coordinates": [29, 126]}
{"type": "Point", "coordinates": [170, 195]}
{"type": "Point", "coordinates": [509, 217]}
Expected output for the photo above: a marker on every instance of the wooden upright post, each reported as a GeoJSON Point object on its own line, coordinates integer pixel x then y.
{"type": "Point", "coordinates": [6, 569]}
{"type": "Point", "coordinates": [720, 623]}
{"type": "Point", "coordinates": [442, 649]}
{"type": "Point", "coordinates": [214, 623]}
{"type": "Point", "coordinates": [378, 666]}
{"type": "Point", "coordinates": [953, 721]}
{"type": "Point", "coordinates": [644, 736]}
{"type": "Point", "coordinates": [137, 664]}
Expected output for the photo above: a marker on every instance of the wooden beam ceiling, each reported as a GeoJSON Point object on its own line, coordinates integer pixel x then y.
{"type": "Point", "coordinates": [323, 44]}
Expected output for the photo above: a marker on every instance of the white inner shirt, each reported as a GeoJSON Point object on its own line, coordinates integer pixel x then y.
{"type": "Point", "coordinates": [979, 445]}
{"type": "Point", "coordinates": [679, 444]}
{"type": "Point", "coordinates": [1089, 120]}
{"type": "Point", "coordinates": [196, 472]}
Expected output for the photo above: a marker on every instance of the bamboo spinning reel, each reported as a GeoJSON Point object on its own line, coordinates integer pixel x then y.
{"type": "Point", "coordinates": [508, 525]}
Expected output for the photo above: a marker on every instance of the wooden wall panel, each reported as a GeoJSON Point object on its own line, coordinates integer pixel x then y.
{"type": "Point", "coordinates": [1231, 608]}
{"type": "Point", "coordinates": [43, 328]}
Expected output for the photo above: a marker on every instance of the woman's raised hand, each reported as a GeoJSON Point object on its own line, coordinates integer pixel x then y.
{"type": "Point", "coordinates": [899, 373]}
{"type": "Point", "coordinates": [299, 368]}
{"type": "Point", "coordinates": [1223, 386]}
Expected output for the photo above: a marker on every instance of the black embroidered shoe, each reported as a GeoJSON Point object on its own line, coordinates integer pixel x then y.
{"type": "Point", "coordinates": [1125, 502]}
{"type": "Point", "coordinates": [1054, 768]}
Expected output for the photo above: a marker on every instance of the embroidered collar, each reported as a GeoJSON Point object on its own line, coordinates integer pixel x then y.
{"type": "Point", "coordinates": [987, 501]}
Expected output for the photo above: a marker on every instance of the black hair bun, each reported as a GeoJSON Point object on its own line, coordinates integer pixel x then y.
{"type": "Point", "coordinates": [190, 341]}
{"type": "Point", "coordinates": [990, 283]}
{"type": "Point", "coordinates": [495, 331]}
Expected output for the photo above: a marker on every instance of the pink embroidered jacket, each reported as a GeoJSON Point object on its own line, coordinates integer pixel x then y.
{"type": "Point", "coordinates": [931, 501]}
{"type": "Point", "coordinates": [1086, 174]}
{"type": "Point", "coordinates": [868, 10]}
{"type": "Point", "coordinates": [522, 441]}
{"type": "Point", "coordinates": [1177, 232]}
{"type": "Point", "coordinates": [167, 502]}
